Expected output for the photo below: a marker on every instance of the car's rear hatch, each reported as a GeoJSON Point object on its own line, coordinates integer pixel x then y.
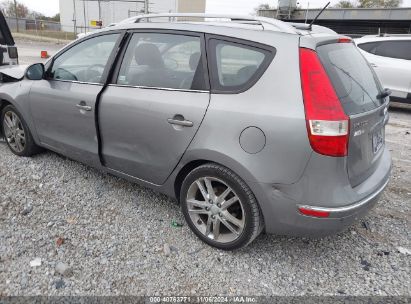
{"type": "Point", "coordinates": [358, 90]}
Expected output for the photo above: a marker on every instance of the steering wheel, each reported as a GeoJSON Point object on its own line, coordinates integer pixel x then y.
{"type": "Point", "coordinates": [91, 73]}
{"type": "Point", "coordinates": [66, 75]}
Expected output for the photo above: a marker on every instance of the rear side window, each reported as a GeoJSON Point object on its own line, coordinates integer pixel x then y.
{"type": "Point", "coordinates": [369, 47]}
{"type": "Point", "coordinates": [353, 79]}
{"type": "Point", "coordinates": [236, 67]}
{"type": "Point", "coordinates": [157, 60]}
{"type": "Point", "coordinates": [394, 49]}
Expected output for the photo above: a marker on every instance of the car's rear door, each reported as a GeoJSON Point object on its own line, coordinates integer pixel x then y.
{"type": "Point", "coordinates": [358, 90]}
{"type": "Point", "coordinates": [63, 104]}
{"type": "Point", "coordinates": [155, 104]}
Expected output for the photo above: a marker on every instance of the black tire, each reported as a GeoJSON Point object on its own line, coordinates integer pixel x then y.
{"type": "Point", "coordinates": [253, 224]}
{"type": "Point", "coordinates": [30, 147]}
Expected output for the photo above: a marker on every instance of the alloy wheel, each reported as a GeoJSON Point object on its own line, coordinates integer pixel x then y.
{"type": "Point", "coordinates": [215, 209]}
{"type": "Point", "coordinates": [14, 131]}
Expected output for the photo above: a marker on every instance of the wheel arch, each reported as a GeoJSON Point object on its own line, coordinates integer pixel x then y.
{"type": "Point", "coordinates": [195, 159]}
{"type": "Point", "coordinates": [184, 171]}
{"type": "Point", "coordinates": [22, 107]}
{"type": "Point", "coordinates": [3, 103]}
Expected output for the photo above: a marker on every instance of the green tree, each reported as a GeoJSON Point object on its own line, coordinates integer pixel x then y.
{"type": "Point", "coordinates": [40, 16]}
{"type": "Point", "coordinates": [379, 3]}
{"type": "Point", "coordinates": [344, 4]}
{"type": "Point", "coordinates": [55, 18]}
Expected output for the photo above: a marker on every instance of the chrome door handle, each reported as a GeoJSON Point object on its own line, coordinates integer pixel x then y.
{"type": "Point", "coordinates": [184, 123]}
{"type": "Point", "coordinates": [83, 107]}
{"type": "Point", "coordinates": [373, 65]}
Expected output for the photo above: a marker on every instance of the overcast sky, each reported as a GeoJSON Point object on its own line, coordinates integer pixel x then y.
{"type": "Point", "coordinates": [51, 7]}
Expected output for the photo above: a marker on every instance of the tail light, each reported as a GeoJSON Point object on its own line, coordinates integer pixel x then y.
{"type": "Point", "coordinates": [327, 124]}
{"type": "Point", "coordinates": [345, 40]}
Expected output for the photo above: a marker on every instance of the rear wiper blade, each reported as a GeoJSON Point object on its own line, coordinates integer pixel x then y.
{"type": "Point", "coordinates": [355, 81]}
{"type": "Point", "coordinates": [384, 93]}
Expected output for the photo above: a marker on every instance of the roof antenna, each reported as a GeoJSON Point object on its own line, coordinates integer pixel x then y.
{"type": "Point", "coordinates": [316, 17]}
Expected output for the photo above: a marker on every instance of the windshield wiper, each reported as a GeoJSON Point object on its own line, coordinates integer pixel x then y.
{"type": "Point", "coordinates": [384, 93]}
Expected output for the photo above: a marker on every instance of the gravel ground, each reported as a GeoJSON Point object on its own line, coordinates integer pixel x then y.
{"type": "Point", "coordinates": [67, 229]}
{"type": "Point", "coordinates": [95, 234]}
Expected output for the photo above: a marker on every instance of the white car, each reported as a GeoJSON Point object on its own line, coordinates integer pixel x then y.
{"type": "Point", "coordinates": [390, 56]}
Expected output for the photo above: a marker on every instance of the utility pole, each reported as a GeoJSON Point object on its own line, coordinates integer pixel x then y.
{"type": "Point", "coordinates": [17, 17]}
{"type": "Point", "coordinates": [35, 23]}
{"type": "Point", "coordinates": [306, 12]}
{"type": "Point", "coordinates": [85, 18]}
{"type": "Point", "coordinates": [146, 6]}
{"type": "Point", "coordinates": [99, 12]}
{"type": "Point", "coordinates": [75, 17]}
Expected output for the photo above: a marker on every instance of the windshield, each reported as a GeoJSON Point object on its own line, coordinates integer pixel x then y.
{"type": "Point", "coordinates": [353, 79]}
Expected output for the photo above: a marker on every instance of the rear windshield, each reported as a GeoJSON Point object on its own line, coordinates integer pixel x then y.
{"type": "Point", "coordinates": [353, 79]}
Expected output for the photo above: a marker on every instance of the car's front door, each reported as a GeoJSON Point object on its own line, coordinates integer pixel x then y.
{"type": "Point", "coordinates": [63, 104]}
{"type": "Point", "coordinates": [156, 103]}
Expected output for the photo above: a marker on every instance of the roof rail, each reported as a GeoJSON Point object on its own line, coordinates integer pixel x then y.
{"type": "Point", "coordinates": [280, 25]}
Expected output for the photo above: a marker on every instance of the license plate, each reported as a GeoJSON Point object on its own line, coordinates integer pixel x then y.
{"type": "Point", "coordinates": [377, 140]}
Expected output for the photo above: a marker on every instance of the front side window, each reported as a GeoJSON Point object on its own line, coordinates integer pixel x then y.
{"type": "Point", "coordinates": [236, 67]}
{"type": "Point", "coordinates": [163, 61]}
{"type": "Point", "coordinates": [86, 61]}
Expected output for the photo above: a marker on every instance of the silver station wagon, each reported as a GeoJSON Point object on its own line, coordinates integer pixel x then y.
{"type": "Point", "coordinates": [252, 124]}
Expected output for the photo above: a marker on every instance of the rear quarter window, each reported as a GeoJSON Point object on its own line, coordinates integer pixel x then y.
{"type": "Point", "coordinates": [353, 79]}
{"type": "Point", "coordinates": [237, 65]}
{"type": "Point", "coordinates": [394, 49]}
{"type": "Point", "coordinates": [369, 47]}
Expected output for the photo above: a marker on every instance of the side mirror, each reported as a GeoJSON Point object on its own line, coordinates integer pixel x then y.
{"type": "Point", "coordinates": [35, 71]}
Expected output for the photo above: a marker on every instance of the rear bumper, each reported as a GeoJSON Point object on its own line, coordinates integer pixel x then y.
{"type": "Point", "coordinates": [349, 210]}
{"type": "Point", "coordinates": [345, 204]}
